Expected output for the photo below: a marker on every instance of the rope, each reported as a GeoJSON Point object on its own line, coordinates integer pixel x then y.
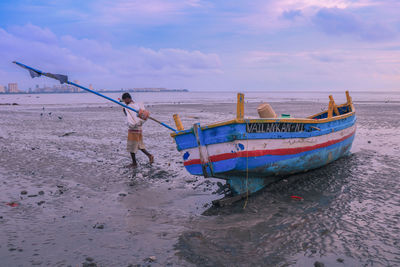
{"type": "Point", "coordinates": [247, 166]}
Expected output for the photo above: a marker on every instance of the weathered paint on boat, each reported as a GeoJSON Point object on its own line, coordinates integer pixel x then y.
{"type": "Point", "coordinates": [249, 153]}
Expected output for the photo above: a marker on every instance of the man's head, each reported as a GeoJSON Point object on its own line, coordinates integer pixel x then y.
{"type": "Point", "coordinates": [126, 97]}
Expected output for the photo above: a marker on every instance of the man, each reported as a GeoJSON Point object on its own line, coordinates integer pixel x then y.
{"type": "Point", "coordinates": [135, 122]}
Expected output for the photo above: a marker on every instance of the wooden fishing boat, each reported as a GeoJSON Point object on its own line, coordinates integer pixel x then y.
{"type": "Point", "coordinates": [251, 153]}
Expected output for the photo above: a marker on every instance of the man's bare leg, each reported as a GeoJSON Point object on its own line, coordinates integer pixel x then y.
{"type": "Point", "coordinates": [134, 163]}
{"type": "Point", "coordinates": [150, 156]}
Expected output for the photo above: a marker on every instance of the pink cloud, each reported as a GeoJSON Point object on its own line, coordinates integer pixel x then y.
{"type": "Point", "coordinates": [100, 62]}
{"type": "Point", "coordinates": [143, 12]}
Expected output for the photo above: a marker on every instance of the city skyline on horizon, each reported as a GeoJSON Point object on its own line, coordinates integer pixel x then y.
{"type": "Point", "coordinates": [57, 86]}
{"type": "Point", "coordinates": [201, 45]}
{"type": "Point", "coordinates": [12, 88]}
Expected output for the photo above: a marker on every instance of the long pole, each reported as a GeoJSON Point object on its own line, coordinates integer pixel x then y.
{"type": "Point", "coordinates": [38, 73]}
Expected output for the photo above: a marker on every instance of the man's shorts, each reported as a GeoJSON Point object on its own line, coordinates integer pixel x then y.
{"type": "Point", "coordinates": [135, 142]}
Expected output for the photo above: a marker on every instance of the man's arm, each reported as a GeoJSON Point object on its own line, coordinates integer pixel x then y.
{"type": "Point", "coordinates": [133, 120]}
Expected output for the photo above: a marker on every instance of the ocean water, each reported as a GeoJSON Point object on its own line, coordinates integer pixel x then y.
{"type": "Point", "coordinates": [200, 97]}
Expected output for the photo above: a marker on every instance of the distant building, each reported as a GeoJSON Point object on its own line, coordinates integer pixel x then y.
{"type": "Point", "coordinates": [2, 89]}
{"type": "Point", "coordinates": [157, 90]}
{"type": "Point", "coordinates": [90, 86]}
{"type": "Point", "coordinates": [76, 89]}
{"type": "Point", "coordinates": [13, 88]}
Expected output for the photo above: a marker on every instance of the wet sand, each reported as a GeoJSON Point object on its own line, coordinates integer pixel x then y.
{"type": "Point", "coordinates": [83, 207]}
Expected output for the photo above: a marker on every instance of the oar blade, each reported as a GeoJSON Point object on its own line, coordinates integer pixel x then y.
{"type": "Point", "coordinates": [61, 78]}
{"type": "Point", "coordinates": [34, 73]}
{"type": "Point", "coordinates": [37, 73]}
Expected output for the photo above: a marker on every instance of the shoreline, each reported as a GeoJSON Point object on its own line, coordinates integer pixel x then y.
{"type": "Point", "coordinates": [249, 102]}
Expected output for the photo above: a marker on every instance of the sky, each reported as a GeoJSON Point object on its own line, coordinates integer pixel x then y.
{"type": "Point", "coordinates": [293, 45]}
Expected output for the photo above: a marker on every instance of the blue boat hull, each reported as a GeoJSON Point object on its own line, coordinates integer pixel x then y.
{"type": "Point", "coordinates": [252, 154]}
{"type": "Point", "coordinates": [273, 171]}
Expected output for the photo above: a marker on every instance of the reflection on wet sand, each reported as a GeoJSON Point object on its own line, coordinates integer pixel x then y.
{"type": "Point", "coordinates": [339, 213]}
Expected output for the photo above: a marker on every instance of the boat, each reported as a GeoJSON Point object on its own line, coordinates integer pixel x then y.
{"type": "Point", "coordinates": [252, 153]}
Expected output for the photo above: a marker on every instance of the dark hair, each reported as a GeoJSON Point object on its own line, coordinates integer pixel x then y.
{"type": "Point", "coordinates": [126, 96]}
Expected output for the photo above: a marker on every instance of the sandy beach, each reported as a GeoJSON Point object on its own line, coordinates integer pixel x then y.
{"type": "Point", "coordinates": [76, 203]}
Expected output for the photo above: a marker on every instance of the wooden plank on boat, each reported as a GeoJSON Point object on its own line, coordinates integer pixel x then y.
{"type": "Point", "coordinates": [335, 109]}
{"type": "Point", "coordinates": [178, 122]}
{"type": "Point", "coordinates": [315, 128]}
{"type": "Point", "coordinates": [202, 152]}
{"type": "Point", "coordinates": [240, 106]}
{"type": "Point", "coordinates": [330, 109]}
{"type": "Point", "coordinates": [349, 101]}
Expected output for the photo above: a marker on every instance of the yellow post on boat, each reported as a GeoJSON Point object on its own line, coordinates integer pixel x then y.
{"type": "Point", "coordinates": [348, 97]}
{"type": "Point", "coordinates": [349, 101]}
{"type": "Point", "coordinates": [178, 122]}
{"type": "Point", "coordinates": [334, 105]}
{"type": "Point", "coordinates": [240, 106]}
{"type": "Point", "coordinates": [330, 109]}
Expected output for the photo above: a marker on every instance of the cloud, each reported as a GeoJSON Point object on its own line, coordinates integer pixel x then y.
{"type": "Point", "coordinates": [100, 61]}
{"type": "Point", "coordinates": [292, 14]}
{"type": "Point", "coordinates": [265, 57]}
{"type": "Point", "coordinates": [382, 61]}
{"type": "Point", "coordinates": [324, 69]}
{"type": "Point", "coordinates": [335, 21]}
{"type": "Point", "coordinates": [261, 59]}
{"type": "Point", "coordinates": [342, 4]}
{"type": "Point", "coordinates": [31, 32]}
{"type": "Point", "coordinates": [150, 12]}
{"type": "Point", "coordinates": [273, 16]}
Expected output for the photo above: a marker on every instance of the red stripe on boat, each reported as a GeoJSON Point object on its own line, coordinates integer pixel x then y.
{"type": "Point", "coordinates": [274, 152]}
{"type": "Point", "coordinates": [192, 162]}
